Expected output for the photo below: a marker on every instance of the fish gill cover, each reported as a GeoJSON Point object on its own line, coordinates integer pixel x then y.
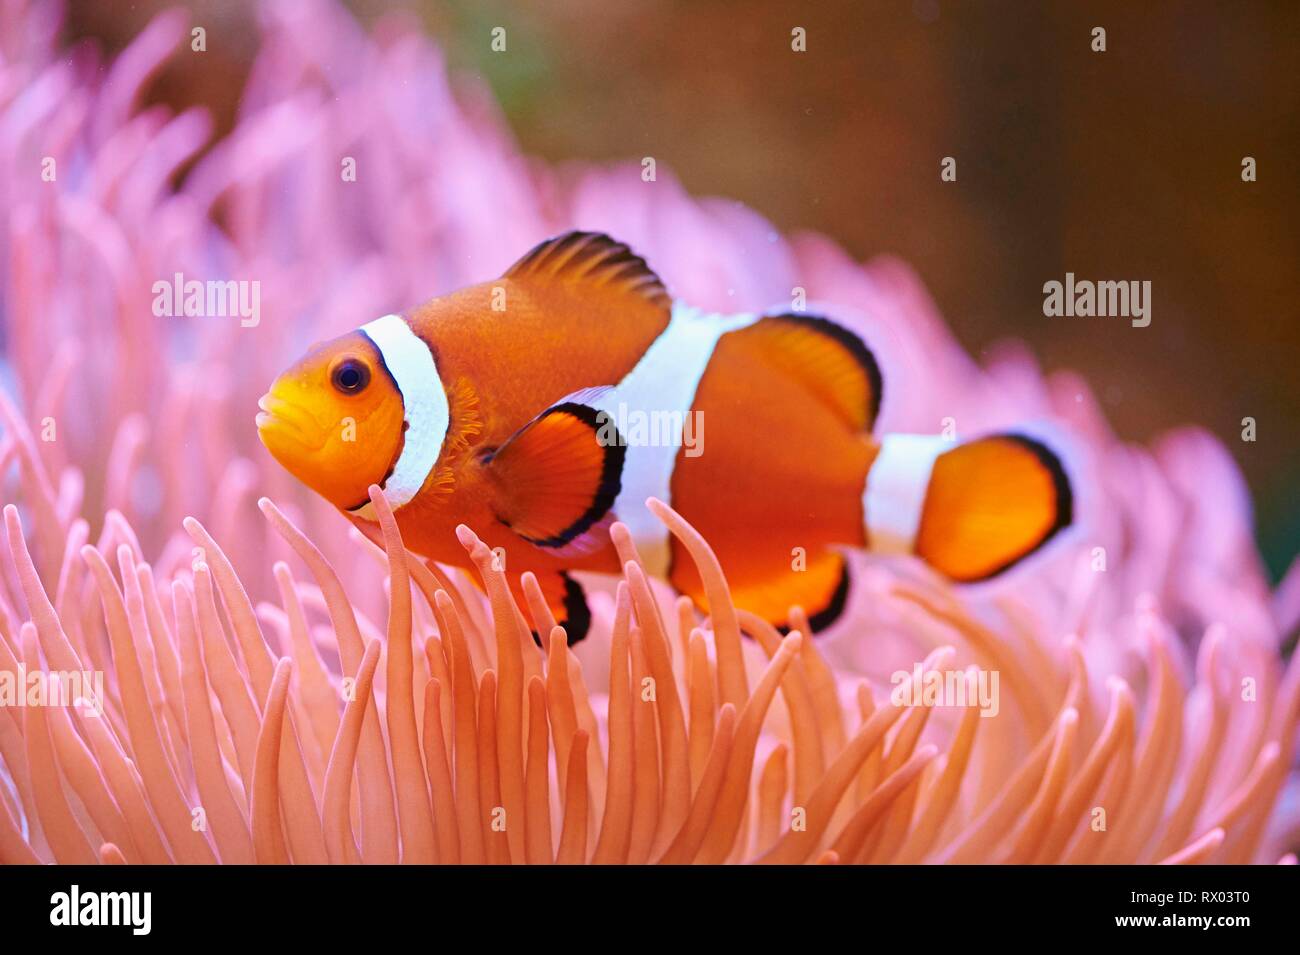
{"type": "Point", "coordinates": [242, 654]}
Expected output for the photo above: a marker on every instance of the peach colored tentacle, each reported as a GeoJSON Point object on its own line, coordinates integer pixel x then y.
{"type": "Point", "coordinates": [851, 839]}
{"type": "Point", "coordinates": [155, 769]}
{"type": "Point", "coordinates": [1197, 852]}
{"type": "Point", "coordinates": [268, 838]}
{"type": "Point", "coordinates": [735, 788]}
{"type": "Point", "coordinates": [772, 786]}
{"type": "Point", "coordinates": [85, 779]}
{"type": "Point", "coordinates": [733, 686]}
{"type": "Point", "coordinates": [339, 840]}
{"type": "Point", "coordinates": [1025, 840]}
{"type": "Point", "coordinates": [537, 778]}
{"type": "Point", "coordinates": [703, 707]}
{"type": "Point", "coordinates": [559, 699]}
{"type": "Point", "coordinates": [414, 815]}
{"type": "Point", "coordinates": [573, 834]}
{"type": "Point", "coordinates": [229, 823]}
{"type": "Point", "coordinates": [809, 757]}
{"type": "Point", "coordinates": [612, 843]}
{"type": "Point", "coordinates": [825, 692]}
{"type": "Point", "coordinates": [495, 841]}
{"type": "Point", "coordinates": [440, 785]}
{"type": "Point", "coordinates": [238, 710]}
{"type": "Point", "coordinates": [686, 844]}
{"type": "Point", "coordinates": [109, 854]}
{"type": "Point", "coordinates": [379, 826]}
{"type": "Point", "coordinates": [513, 640]}
{"type": "Point", "coordinates": [465, 706]}
{"type": "Point", "coordinates": [667, 705]}
{"type": "Point", "coordinates": [320, 698]}
{"type": "Point", "coordinates": [69, 843]}
{"type": "Point", "coordinates": [645, 755]}
{"type": "Point", "coordinates": [941, 801]}
{"type": "Point", "coordinates": [796, 846]}
{"type": "Point", "coordinates": [1119, 725]}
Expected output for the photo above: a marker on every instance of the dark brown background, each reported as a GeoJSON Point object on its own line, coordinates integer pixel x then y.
{"type": "Point", "coordinates": [1119, 165]}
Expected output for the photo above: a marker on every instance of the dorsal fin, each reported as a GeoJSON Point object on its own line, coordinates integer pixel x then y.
{"type": "Point", "coordinates": [593, 259]}
{"type": "Point", "coordinates": [825, 358]}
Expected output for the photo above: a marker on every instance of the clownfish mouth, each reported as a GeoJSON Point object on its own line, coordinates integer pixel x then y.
{"type": "Point", "coordinates": [286, 428]}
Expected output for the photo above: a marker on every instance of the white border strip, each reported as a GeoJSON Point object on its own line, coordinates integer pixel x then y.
{"type": "Point", "coordinates": [424, 404]}
{"type": "Point", "coordinates": [664, 381]}
{"type": "Point", "coordinates": [896, 487]}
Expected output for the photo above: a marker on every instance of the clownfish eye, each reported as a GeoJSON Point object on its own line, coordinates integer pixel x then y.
{"type": "Point", "coordinates": [350, 376]}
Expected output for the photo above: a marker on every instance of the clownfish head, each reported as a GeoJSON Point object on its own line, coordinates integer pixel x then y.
{"type": "Point", "coordinates": [365, 408]}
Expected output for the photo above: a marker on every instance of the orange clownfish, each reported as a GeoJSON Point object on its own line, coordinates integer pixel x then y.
{"type": "Point", "coordinates": [540, 407]}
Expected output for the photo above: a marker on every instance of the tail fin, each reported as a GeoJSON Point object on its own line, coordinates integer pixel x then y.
{"type": "Point", "coordinates": [987, 505]}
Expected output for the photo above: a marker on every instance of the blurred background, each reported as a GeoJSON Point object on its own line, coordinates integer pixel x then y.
{"type": "Point", "coordinates": [1117, 165]}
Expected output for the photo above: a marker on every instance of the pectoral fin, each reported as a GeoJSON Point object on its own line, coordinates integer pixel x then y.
{"type": "Point", "coordinates": [559, 475]}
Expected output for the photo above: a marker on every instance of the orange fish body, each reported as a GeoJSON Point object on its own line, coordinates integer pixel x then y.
{"type": "Point", "coordinates": [540, 407]}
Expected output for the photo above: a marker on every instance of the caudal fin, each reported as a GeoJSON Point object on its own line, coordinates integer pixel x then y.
{"type": "Point", "coordinates": [986, 506]}
{"type": "Point", "coordinates": [991, 503]}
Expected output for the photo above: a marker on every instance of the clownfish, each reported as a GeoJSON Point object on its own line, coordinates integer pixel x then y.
{"type": "Point", "coordinates": [499, 406]}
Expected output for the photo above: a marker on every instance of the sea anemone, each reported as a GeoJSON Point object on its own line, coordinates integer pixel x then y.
{"type": "Point", "coordinates": [267, 685]}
